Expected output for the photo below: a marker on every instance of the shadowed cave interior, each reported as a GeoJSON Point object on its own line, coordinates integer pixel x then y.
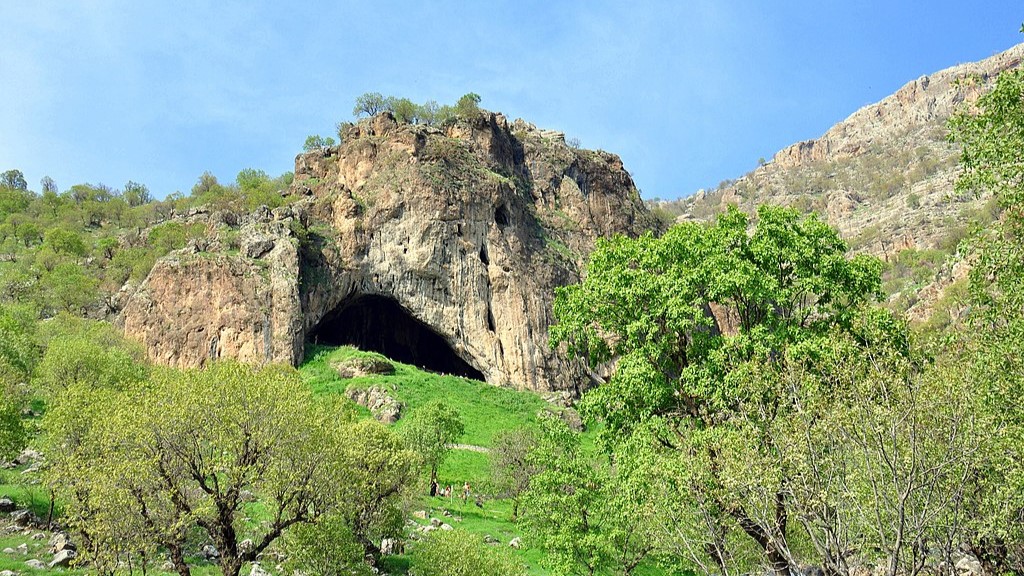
{"type": "Point", "coordinates": [379, 324]}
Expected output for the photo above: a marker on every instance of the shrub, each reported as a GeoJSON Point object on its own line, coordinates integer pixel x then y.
{"type": "Point", "coordinates": [457, 553]}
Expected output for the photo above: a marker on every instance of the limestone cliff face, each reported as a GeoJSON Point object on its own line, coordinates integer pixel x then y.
{"type": "Point", "coordinates": [884, 176]}
{"type": "Point", "coordinates": [209, 300]}
{"type": "Point", "coordinates": [423, 241]}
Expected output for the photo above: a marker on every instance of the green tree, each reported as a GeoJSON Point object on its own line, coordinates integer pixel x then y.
{"type": "Point", "coordinates": [370, 104]}
{"type": "Point", "coordinates": [316, 142]}
{"type": "Point", "coordinates": [379, 472]}
{"type": "Point", "coordinates": [14, 180]}
{"type": "Point", "coordinates": [69, 288]}
{"type": "Point", "coordinates": [468, 106]}
{"type": "Point", "coordinates": [405, 110]}
{"type": "Point", "coordinates": [511, 468]}
{"type": "Point", "coordinates": [64, 241]}
{"type": "Point", "coordinates": [430, 430]}
{"type": "Point", "coordinates": [991, 133]}
{"type": "Point", "coordinates": [136, 194]}
{"type": "Point", "coordinates": [14, 201]}
{"type": "Point", "coordinates": [18, 357]}
{"type": "Point", "coordinates": [325, 548]}
{"type": "Point", "coordinates": [562, 505]}
{"type": "Point", "coordinates": [12, 432]}
{"type": "Point", "coordinates": [690, 316]}
{"type": "Point", "coordinates": [458, 553]}
{"type": "Point", "coordinates": [142, 467]}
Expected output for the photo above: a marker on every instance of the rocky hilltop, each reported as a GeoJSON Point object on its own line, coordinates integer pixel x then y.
{"type": "Point", "coordinates": [438, 247]}
{"type": "Point", "coordinates": [884, 176]}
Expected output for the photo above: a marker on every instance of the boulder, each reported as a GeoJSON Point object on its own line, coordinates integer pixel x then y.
{"type": "Point", "coordinates": [60, 542]}
{"type": "Point", "coordinates": [364, 366]}
{"type": "Point", "coordinates": [384, 407]}
{"type": "Point", "coordinates": [24, 518]}
{"type": "Point", "coordinates": [35, 564]}
{"type": "Point", "coordinates": [7, 505]}
{"type": "Point", "coordinates": [969, 566]}
{"type": "Point", "coordinates": [63, 559]}
{"type": "Point", "coordinates": [209, 553]}
{"type": "Point", "coordinates": [391, 546]}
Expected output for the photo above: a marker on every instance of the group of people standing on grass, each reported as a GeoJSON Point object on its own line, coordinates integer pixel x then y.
{"type": "Point", "coordinates": [449, 490]}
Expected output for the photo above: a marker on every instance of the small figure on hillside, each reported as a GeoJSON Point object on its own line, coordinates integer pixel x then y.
{"type": "Point", "coordinates": [466, 492]}
{"type": "Point", "coordinates": [433, 487]}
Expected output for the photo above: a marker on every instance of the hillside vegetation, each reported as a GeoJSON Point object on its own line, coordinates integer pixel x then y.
{"type": "Point", "coordinates": [758, 408]}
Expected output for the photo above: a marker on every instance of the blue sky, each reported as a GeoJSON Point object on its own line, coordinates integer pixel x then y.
{"type": "Point", "coordinates": [688, 92]}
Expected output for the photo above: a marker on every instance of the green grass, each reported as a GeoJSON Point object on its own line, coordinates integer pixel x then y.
{"type": "Point", "coordinates": [485, 409]}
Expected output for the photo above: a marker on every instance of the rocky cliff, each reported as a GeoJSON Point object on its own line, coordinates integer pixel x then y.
{"type": "Point", "coordinates": [884, 176]}
{"type": "Point", "coordinates": [439, 247]}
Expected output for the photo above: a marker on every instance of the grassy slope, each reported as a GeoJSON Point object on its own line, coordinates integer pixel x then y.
{"type": "Point", "coordinates": [485, 409]}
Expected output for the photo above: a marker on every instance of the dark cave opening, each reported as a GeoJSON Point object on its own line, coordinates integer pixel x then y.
{"type": "Point", "coordinates": [379, 324]}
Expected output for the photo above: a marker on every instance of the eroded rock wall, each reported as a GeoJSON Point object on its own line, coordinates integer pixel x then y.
{"type": "Point", "coordinates": [468, 229]}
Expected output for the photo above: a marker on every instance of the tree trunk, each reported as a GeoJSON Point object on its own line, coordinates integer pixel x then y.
{"type": "Point", "coordinates": [178, 560]}
{"type": "Point", "coordinates": [230, 565]}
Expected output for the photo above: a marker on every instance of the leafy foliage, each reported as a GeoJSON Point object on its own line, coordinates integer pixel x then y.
{"type": "Point", "coordinates": [430, 431]}
{"type": "Point", "coordinates": [456, 553]}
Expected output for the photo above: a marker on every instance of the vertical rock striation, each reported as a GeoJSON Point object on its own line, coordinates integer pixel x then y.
{"type": "Point", "coordinates": [461, 233]}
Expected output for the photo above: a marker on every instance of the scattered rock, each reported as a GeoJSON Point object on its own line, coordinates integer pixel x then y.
{"type": "Point", "coordinates": [209, 553]}
{"type": "Point", "coordinates": [22, 549]}
{"type": "Point", "coordinates": [7, 505]}
{"type": "Point", "coordinates": [24, 518]}
{"type": "Point", "coordinates": [258, 570]}
{"type": "Point", "coordinates": [8, 573]}
{"type": "Point", "coordinates": [421, 514]}
{"type": "Point", "coordinates": [391, 546]}
{"type": "Point", "coordinates": [568, 415]}
{"type": "Point", "coordinates": [60, 541]}
{"type": "Point", "coordinates": [516, 542]}
{"type": "Point", "coordinates": [364, 366]}
{"type": "Point", "coordinates": [8, 551]}
{"type": "Point", "coordinates": [384, 407]}
{"type": "Point", "coordinates": [488, 539]}
{"type": "Point", "coordinates": [63, 559]}
{"type": "Point", "coordinates": [969, 566]}
{"type": "Point", "coordinates": [28, 455]}
{"type": "Point", "coordinates": [35, 564]}
{"type": "Point", "coordinates": [436, 522]}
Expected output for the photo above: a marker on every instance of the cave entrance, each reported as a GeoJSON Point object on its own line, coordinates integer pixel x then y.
{"type": "Point", "coordinates": [379, 324]}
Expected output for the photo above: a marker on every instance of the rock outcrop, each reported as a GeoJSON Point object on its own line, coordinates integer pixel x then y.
{"type": "Point", "coordinates": [439, 247]}
{"type": "Point", "coordinates": [884, 176]}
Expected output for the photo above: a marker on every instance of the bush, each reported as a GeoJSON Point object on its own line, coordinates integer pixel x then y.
{"type": "Point", "coordinates": [458, 553]}
{"type": "Point", "coordinates": [327, 548]}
